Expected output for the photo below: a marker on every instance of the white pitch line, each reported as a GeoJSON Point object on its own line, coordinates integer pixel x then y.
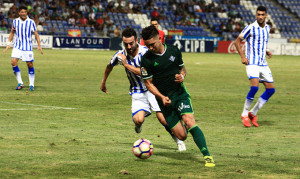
{"type": "Point", "coordinates": [24, 109]}
{"type": "Point", "coordinates": [44, 106]}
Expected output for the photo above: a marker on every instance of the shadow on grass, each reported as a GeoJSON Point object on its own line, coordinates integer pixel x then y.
{"type": "Point", "coordinates": [265, 123]}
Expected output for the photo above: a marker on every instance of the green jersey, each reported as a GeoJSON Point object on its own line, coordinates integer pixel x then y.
{"type": "Point", "coordinates": [162, 69]}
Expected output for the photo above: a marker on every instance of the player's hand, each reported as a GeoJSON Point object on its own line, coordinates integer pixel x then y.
{"type": "Point", "coordinates": [123, 58]}
{"type": "Point", "coordinates": [179, 78]}
{"type": "Point", "coordinates": [7, 47]}
{"type": "Point", "coordinates": [40, 49]}
{"type": "Point", "coordinates": [245, 60]}
{"type": "Point", "coordinates": [103, 88]}
{"type": "Point", "coordinates": [269, 54]}
{"type": "Point", "coordinates": [166, 101]}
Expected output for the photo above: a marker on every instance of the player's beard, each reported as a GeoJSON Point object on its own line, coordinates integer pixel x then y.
{"type": "Point", "coordinates": [260, 23]}
{"type": "Point", "coordinates": [132, 50]}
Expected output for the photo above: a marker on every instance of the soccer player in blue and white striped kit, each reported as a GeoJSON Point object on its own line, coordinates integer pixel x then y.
{"type": "Point", "coordinates": [256, 36]}
{"type": "Point", "coordinates": [23, 28]}
{"type": "Point", "coordinates": [143, 101]}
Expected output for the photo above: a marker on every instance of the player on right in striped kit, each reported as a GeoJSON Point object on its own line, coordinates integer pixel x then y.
{"type": "Point", "coordinates": [256, 36]}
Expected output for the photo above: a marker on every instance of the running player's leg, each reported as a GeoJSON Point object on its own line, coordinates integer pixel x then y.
{"type": "Point", "coordinates": [198, 137]}
{"type": "Point", "coordinates": [270, 90]}
{"type": "Point", "coordinates": [17, 72]}
{"type": "Point", "coordinates": [155, 107]}
{"type": "Point", "coordinates": [16, 54]}
{"type": "Point", "coordinates": [180, 144]}
{"type": "Point", "coordinates": [267, 79]}
{"type": "Point", "coordinates": [253, 75]}
{"type": "Point", "coordinates": [138, 120]}
{"type": "Point", "coordinates": [140, 108]}
{"type": "Point", "coordinates": [31, 75]}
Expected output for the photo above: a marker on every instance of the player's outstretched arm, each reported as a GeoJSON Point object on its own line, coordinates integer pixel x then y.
{"type": "Point", "coordinates": [150, 86]}
{"type": "Point", "coordinates": [108, 69]}
{"type": "Point", "coordinates": [10, 37]}
{"type": "Point", "coordinates": [237, 44]}
{"type": "Point", "coordinates": [131, 68]}
{"type": "Point", "coordinates": [37, 37]}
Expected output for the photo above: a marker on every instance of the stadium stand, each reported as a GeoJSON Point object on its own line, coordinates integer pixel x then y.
{"type": "Point", "coordinates": [225, 18]}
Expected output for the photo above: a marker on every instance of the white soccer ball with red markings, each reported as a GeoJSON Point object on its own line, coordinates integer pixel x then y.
{"type": "Point", "coordinates": [142, 148]}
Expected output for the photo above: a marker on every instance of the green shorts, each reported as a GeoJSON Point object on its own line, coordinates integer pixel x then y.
{"type": "Point", "coordinates": [181, 104]}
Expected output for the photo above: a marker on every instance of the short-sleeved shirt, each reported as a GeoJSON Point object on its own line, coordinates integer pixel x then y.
{"type": "Point", "coordinates": [23, 31]}
{"type": "Point", "coordinates": [137, 84]}
{"type": "Point", "coordinates": [162, 69]}
{"type": "Point", "coordinates": [256, 43]}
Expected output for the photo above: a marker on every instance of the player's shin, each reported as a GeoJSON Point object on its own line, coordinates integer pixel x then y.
{"type": "Point", "coordinates": [249, 100]}
{"type": "Point", "coordinates": [199, 139]}
{"type": "Point", "coordinates": [17, 73]}
{"type": "Point", "coordinates": [31, 75]}
{"type": "Point", "coordinates": [262, 100]}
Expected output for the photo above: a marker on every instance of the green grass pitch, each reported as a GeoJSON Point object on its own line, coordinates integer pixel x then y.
{"type": "Point", "coordinates": [68, 128]}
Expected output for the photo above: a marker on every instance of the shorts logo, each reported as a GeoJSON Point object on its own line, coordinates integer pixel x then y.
{"type": "Point", "coordinates": [30, 55]}
{"type": "Point", "coordinates": [182, 106]}
{"type": "Point", "coordinates": [172, 58]}
{"type": "Point", "coordinates": [144, 71]}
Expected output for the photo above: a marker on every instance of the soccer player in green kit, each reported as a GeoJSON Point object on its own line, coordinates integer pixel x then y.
{"type": "Point", "coordinates": [163, 71]}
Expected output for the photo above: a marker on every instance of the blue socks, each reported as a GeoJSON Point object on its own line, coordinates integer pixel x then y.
{"type": "Point", "coordinates": [268, 93]}
{"type": "Point", "coordinates": [16, 69]}
{"type": "Point", "coordinates": [252, 92]}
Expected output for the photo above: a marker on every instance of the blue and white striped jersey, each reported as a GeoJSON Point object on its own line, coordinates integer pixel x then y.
{"type": "Point", "coordinates": [23, 33]}
{"type": "Point", "coordinates": [256, 43]}
{"type": "Point", "coordinates": [137, 84]}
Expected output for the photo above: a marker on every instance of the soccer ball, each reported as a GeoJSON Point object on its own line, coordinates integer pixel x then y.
{"type": "Point", "coordinates": [142, 148]}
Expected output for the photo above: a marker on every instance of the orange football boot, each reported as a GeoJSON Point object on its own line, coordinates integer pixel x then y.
{"type": "Point", "coordinates": [246, 121]}
{"type": "Point", "coordinates": [253, 119]}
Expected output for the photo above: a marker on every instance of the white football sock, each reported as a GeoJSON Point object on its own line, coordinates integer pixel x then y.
{"type": "Point", "coordinates": [260, 103]}
{"type": "Point", "coordinates": [247, 105]}
{"type": "Point", "coordinates": [18, 77]}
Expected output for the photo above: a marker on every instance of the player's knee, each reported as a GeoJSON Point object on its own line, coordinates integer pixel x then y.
{"type": "Point", "coordinates": [14, 63]}
{"type": "Point", "coordinates": [138, 120]}
{"type": "Point", "coordinates": [29, 64]}
{"type": "Point", "coordinates": [189, 121]}
{"type": "Point", "coordinates": [182, 137]}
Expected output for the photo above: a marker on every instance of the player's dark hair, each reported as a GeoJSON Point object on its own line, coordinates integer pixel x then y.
{"type": "Point", "coordinates": [22, 8]}
{"type": "Point", "coordinates": [149, 32]}
{"type": "Point", "coordinates": [129, 32]}
{"type": "Point", "coordinates": [261, 8]}
{"type": "Point", "coordinates": [154, 19]}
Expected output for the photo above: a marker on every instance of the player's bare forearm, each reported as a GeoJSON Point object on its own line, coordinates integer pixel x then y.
{"type": "Point", "coordinates": [133, 69]}
{"type": "Point", "coordinates": [237, 44]}
{"type": "Point", "coordinates": [180, 77]}
{"type": "Point", "coordinates": [150, 86]}
{"type": "Point", "coordinates": [10, 37]}
{"type": "Point", "coordinates": [107, 71]}
{"type": "Point", "coordinates": [37, 37]}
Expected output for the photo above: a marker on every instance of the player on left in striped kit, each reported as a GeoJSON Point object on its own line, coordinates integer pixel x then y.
{"type": "Point", "coordinates": [23, 28]}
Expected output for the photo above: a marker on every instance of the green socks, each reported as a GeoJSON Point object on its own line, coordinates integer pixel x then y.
{"type": "Point", "coordinates": [199, 139]}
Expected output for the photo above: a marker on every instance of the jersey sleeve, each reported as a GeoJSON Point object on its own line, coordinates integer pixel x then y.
{"type": "Point", "coordinates": [114, 61]}
{"type": "Point", "coordinates": [245, 33]}
{"type": "Point", "coordinates": [146, 69]}
{"type": "Point", "coordinates": [13, 28]}
{"type": "Point", "coordinates": [179, 54]}
{"type": "Point", "coordinates": [33, 29]}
